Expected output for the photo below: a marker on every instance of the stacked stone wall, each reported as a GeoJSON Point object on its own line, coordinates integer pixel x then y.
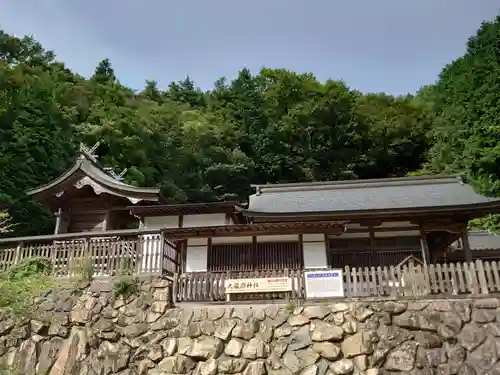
{"type": "Point", "coordinates": [88, 331]}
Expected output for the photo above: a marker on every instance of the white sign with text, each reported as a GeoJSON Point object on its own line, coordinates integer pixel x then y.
{"type": "Point", "coordinates": [324, 284]}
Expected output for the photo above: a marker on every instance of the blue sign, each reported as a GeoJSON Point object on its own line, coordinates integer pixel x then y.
{"type": "Point", "coordinates": [322, 275]}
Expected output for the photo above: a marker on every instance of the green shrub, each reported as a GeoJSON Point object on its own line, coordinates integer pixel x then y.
{"type": "Point", "coordinates": [124, 286]}
{"type": "Point", "coordinates": [291, 306]}
{"type": "Point", "coordinates": [22, 283]}
{"type": "Point", "coordinates": [83, 268]}
{"type": "Point", "coordinates": [35, 266]}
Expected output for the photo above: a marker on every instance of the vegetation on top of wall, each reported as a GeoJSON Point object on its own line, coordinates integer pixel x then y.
{"type": "Point", "coordinates": [22, 283]}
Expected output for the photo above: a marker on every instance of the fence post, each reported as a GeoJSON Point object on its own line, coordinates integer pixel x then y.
{"type": "Point", "coordinates": [19, 249]}
{"type": "Point", "coordinates": [175, 287]}
{"type": "Point", "coordinates": [471, 276]}
{"type": "Point", "coordinates": [161, 264]}
{"type": "Point", "coordinates": [287, 294]}
{"type": "Point", "coordinates": [482, 277]}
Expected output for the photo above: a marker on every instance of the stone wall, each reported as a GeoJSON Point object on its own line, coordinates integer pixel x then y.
{"type": "Point", "coordinates": [90, 332]}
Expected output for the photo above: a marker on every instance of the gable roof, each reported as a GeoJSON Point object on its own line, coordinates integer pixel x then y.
{"type": "Point", "coordinates": [405, 194]}
{"type": "Point", "coordinates": [86, 171]}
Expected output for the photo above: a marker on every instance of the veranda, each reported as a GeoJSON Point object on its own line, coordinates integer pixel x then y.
{"type": "Point", "coordinates": [107, 257]}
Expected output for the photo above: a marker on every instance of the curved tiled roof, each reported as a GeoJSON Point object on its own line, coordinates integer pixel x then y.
{"type": "Point", "coordinates": [84, 166]}
{"type": "Point", "coordinates": [364, 195]}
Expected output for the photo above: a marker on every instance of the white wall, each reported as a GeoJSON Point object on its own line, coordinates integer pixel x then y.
{"type": "Point", "coordinates": [159, 222]}
{"type": "Point", "coordinates": [203, 220]}
{"type": "Point", "coordinates": [314, 249]}
{"type": "Point", "coordinates": [196, 258]}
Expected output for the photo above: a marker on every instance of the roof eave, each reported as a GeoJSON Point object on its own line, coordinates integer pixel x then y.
{"type": "Point", "coordinates": [118, 186]}
{"type": "Point", "coordinates": [185, 208]}
{"type": "Point", "coordinates": [333, 227]}
{"type": "Point", "coordinates": [122, 190]}
{"type": "Point", "coordinates": [486, 207]}
{"type": "Point", "coordinates": [40, 189]}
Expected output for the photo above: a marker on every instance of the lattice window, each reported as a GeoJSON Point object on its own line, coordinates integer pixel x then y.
{"type": "Point", "coordinates": [260, 256]}
{"type": "Point", "coordinates": [357, 252]}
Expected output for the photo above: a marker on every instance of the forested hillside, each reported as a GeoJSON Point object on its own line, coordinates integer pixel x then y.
{"type": "Point", "coordinates": [275, 126]}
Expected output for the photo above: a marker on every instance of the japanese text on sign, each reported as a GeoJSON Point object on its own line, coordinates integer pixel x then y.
{"type": "Point", "coordinates": [264, 285]}
{"type": "Point", "coordinates": [323, 284]}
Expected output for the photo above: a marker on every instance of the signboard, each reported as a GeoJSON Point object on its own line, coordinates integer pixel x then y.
{"type": "Point", "coordinates": [261, 285]}
{"type": "Point", "coordinates": [324, 284]}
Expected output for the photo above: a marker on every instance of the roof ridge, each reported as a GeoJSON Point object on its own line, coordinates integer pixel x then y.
{"type": "Point", "coordinates": [380, 182]}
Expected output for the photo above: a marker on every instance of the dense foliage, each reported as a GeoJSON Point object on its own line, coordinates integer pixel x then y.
{"type": "Point", "coordinates": [275, 126]}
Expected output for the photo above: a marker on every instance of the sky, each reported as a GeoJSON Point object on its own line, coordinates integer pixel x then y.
{"type": "Point", "coordinates": [395, 46]}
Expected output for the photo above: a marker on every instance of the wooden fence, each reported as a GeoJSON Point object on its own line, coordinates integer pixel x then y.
{"type": "Point", "coordinates": [447, 279]}
{"type": "Point", "coordinates": [140, 254]}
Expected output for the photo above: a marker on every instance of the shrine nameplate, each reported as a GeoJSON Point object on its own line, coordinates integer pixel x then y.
{"type": "Point", "coordinates": [259, 285]}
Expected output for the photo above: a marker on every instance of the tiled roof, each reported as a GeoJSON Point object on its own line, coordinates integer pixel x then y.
{"type": "Point", "coordinates": [364, 195]}
{"type": "Point", "coordinates": [484, 241]}
{"type": "Point", "coordinates": [85, 166]}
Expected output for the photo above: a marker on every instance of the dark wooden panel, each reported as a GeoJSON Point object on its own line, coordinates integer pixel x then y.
{"type": "Point", "coordinates": [255, 256]}
{"type": "Point", "coordinates": [86, 222]}
{"type": "Point", "coordinates": [359, 252]}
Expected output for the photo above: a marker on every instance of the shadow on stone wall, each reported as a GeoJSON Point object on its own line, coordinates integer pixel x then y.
{"type": "Point", "coordinates": [88, 331]}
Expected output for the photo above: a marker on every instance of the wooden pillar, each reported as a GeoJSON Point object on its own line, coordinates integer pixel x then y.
{"type": "Point", "coordinates": [184, 255]}
{"type": "Point", "coordinates": [253, 254]}
{"type": "Point", "coordinates": [328, 252]}
{"type": "Point", "coordinates": [464, 236]}
{"type": "Point", "coordinates": [57, 228]}
{"type": "Point", "coordinates": [371, 232]}
{"type": "Point", "coordinates": [301, 246]}
{"type": "Point", "coordinates": [106, 223]}
{"type": "Point", "coordinates": [424, 246]}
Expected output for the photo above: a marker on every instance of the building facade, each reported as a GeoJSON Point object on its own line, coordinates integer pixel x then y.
{"type": "Point", "coordinates": [303, 226]}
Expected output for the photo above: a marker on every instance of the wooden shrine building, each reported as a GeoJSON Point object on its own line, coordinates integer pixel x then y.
{"type": "Point", "coordinates": [301, 226]}
{"type": "Point", "coordinates": [89, 197]}
{"type": "Point", "coordinates": [324, 225]}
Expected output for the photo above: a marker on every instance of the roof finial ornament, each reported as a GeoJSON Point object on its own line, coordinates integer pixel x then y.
{"type": "Point", "coordinates": [112, 173]}
{"type": "Point", "coordinates": [89, 152]}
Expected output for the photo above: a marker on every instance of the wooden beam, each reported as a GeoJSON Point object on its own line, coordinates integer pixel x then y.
{"type": "Point", "coordinates": [181, 221]}
{"type": "Point", "coordinates": [370, 222]}
{"type": "Point", "coordinates": [406, 228]}
{"type": "Point", "coordinates": [263, 232]}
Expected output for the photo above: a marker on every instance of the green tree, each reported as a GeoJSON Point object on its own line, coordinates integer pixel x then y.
{"type": "Point", "coordinates": [104, 73]}
{"type": "Point", "coordinates": [466, 132]}
{"type": "Point", "coordinates": [274, 126]}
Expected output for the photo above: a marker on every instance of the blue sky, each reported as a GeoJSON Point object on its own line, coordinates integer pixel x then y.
{"type": "Point", "coordinates": [394, 46]}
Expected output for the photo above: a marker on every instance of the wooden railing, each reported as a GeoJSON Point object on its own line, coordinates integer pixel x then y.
{"type": "Point", "coordinates": [139, 252]}
{"type": "Point", "coordinates": [406, 281]}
